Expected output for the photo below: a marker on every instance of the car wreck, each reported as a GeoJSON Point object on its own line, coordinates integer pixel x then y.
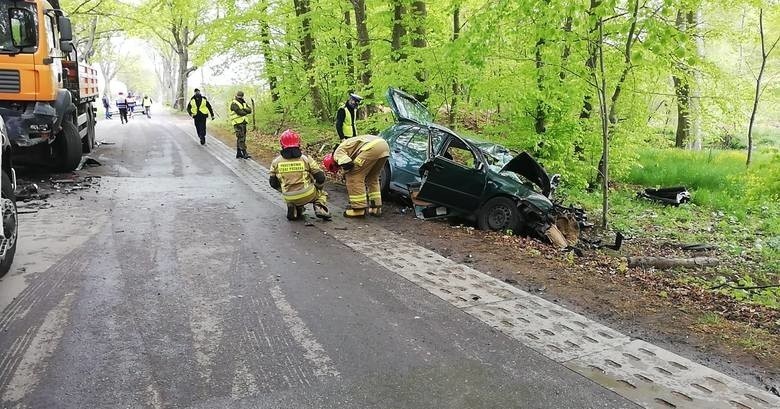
{"type": "Point", "coordinates": [452, 176]}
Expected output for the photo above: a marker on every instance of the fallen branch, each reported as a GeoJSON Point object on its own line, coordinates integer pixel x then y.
{"type": "Point", "coordinates": [736, 287]}
{"type": "Point", "coordinates": [663, 262]}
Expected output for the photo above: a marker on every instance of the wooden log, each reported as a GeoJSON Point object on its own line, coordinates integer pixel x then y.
{"type": "Point", "coordinates": [664, 262]}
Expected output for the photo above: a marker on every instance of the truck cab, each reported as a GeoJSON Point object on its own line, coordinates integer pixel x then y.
{"type": "Point", "coordinates": [45, 94]}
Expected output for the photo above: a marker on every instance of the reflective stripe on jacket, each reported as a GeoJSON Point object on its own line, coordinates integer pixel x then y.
{"type": "Point", "coordinates": [350, 148]}
{"type": "Point", "coordinates": [295, 176]}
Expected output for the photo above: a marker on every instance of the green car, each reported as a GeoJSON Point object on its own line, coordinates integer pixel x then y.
{"type": "Point", "coordinates": [481, 181]}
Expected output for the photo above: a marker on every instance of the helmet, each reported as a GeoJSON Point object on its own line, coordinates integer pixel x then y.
{"type": "Point", "coordinates": [357, 98]}
{"type": "Point", "coordinates": [330, 164]}
{"type": "Point", "coordinates": [290, 139]}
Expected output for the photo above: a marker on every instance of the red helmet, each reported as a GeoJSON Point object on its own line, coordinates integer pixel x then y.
{"type": "Point", "coordinates": [290, 139]}
{"type": "Point", "coordinates": [330, 164]}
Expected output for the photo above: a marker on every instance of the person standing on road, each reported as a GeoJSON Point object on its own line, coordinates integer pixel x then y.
{"type": "Point", "coordinates": [346, 116]}
{"type": "Point", "coordinates": [199, 109]}
{"type": "Point", "coordinates": [130, 104]}
{"type": "Point", "coordinates": [121, 104]}
{"type": "Point", "coordinates": [239, 110]}
{"type": "Point", "coordinates": [362, 158]}
{"type": "Point", "coordinates": [299, 178]}
{"type": "Point", "coordinates": [107, 105]}
{"type": "Point", "coordinates": [147, 104]}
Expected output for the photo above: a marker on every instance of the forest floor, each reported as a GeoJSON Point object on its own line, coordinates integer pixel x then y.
{"type": "Point", "coordinates": [738, 338]}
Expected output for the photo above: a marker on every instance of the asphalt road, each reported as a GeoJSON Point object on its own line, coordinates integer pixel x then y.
{"type": "Point", "coordinates": [170, 283]}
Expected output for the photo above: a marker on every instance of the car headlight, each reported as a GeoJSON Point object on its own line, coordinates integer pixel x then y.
{"type": "Point", "coordinates": [40, 128]}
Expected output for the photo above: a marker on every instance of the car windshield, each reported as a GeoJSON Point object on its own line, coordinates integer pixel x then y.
{"type": "Point", "coordinates": [18, 25]}
{"type": "Point", "coordinates": [497, 156]}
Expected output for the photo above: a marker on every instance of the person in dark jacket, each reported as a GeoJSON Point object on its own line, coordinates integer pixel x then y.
{"type": "Point", "coordinates": [121, 104]}
{"type": "Point", "coordinates": [200, 109]}
{"type": "Point", "coordinates": [107, 105]}
{"type": "Point", "coordinates": [346, 116]}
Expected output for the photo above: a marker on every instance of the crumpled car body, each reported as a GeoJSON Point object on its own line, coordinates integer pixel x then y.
{"type": "Point", "coordinates": [477, 180]}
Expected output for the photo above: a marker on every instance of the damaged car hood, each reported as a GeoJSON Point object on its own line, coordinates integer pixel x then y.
{"type": "Point", "coordinates": [526, 166]}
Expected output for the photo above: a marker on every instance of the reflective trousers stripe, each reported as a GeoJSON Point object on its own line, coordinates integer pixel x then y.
{"type": "Point", "coordinates": [298, 194]}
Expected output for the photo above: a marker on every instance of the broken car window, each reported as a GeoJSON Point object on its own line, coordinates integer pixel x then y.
{"type": "Point", "coordinates": [459, 153]}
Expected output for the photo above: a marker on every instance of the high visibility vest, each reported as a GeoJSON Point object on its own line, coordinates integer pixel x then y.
{"type": "Point", "coordinates": [348, 126]}
{"type": "Point", "coordinates": [235, 118]}
{"type": "Point", "coordinates": [195, 108]}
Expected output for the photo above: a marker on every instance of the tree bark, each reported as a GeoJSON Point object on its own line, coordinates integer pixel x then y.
{"type": "Point", "coordinates": [350, 64]}
{"type": "Point", "coordinates": [663, 262]}
{"type": "Point", "coordinates": [682, 92]}
{"type": "Point", "coordinates": [764, 56]}
{"type": "Point", "coordinates": [399, 30]}
{"type": "Point", "coordinates": [626, 64]}
{"type": "Point", "coordinates": [419, 41]}
{"type": "Point", "coordinates": [364, 46]}
{"type": "Point", "coordinates": [539, 117]}
{"type": "Point", "coordinates": [590, 63]}
{"type": "Point", "coordinates": [302, 10]}
{"type": "Point", "coordinates": [455, 84]}
{"type": "Point", "coordinates": [268, 59]}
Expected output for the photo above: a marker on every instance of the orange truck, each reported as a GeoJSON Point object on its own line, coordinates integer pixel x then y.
{"type": "Point", "coordinates": [46, 94]}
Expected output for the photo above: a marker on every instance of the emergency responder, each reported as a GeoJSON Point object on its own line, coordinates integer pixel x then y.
{"type": "Point", "coordinates": [199, 109]}
{"type": "Point", "coordinates": [147, 104]}
{"type": "Point", "coordinates": [346, 116]}
{"type": "Point", "coordinates": [130, 104]}
{"type": "Point", "coordinates": [121, 105]}
{"type": "Point", "coordinates": [239, 110]}
{"type": "Point", "coordinates": [299, 178]}
{"type": "Point", "coordinates": [362, 158]}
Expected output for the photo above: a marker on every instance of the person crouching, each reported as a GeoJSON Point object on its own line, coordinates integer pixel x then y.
{"type": "Point", "coordinates": [299, 178]}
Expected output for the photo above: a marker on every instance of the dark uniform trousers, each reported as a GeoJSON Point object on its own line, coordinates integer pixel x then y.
{"type": "Point", "coordinates": [200, 125]}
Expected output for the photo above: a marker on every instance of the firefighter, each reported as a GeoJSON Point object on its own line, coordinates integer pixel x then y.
{"type": "Point", "coordinates": [346, 116]}
{"type": "Point", "coordinates": [199, 109]}
{"type": "Point", "coordinates": [362, 158]}
{"type": "Point", "coordinates": [239, 110]}
{"type": "Point", "coordinates": [299, 178]}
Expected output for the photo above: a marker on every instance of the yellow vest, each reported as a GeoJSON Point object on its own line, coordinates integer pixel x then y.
{"type": "Point", "coordinates": [348, 121]}
{"type": "Point", "coordinates": [235, 118]}
{"type": "Point", "coordinates": [195, 108]}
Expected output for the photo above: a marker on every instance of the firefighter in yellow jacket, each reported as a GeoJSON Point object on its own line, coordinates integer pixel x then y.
{"type": "Point", "coordinates": [362, 158]}
{"type": "Point", "coordinates": [299, 178]}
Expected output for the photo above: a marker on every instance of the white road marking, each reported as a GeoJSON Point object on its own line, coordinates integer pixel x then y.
{"type": "Point", "coordinates": [313, 351]}
{"type": "Point", "coordinates": [34, 361]}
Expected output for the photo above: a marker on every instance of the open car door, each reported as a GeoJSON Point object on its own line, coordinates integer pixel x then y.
{"type": "Point", "coordinates": [454, 177]}
{"type": "Point", "coordinates": [406, 108]}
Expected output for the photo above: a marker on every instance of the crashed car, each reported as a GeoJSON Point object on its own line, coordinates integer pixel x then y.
{"type": "Point", "coordinates": [481, 181]}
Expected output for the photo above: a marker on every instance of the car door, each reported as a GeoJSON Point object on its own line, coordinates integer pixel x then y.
{"type": "Point", "coordinates": [400, 162]}
{"type": "Point", "coordinates": [455, 177]}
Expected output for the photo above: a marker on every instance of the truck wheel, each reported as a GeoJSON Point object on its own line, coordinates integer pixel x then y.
{"type": "Point", "coordinates": [88, 144]}
{"type": "Point", "coordinates": [10, 224]}
{"type": "Point", "coordinates": [68, 147]}
{"type": "Point", "coordinates": [498, 214]}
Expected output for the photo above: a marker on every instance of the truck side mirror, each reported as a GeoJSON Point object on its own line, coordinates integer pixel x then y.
{"type": "Point", "coordinates": [66, 30]}
{"type": "Point", "coordinates": [66, 47]}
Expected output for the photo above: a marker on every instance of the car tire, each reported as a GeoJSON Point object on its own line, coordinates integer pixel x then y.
{"type": "Point", "coordinates": [498, 214]}
{"type": "Point", "coordinates": [384, 180]}
{"type": "Point", "coordinates": [68, 147]}
{"type": "Point", "coordinates": [10, 222]}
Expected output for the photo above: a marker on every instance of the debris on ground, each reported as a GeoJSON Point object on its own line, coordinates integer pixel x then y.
{"type": "Point", "coordinates": [87, 161]}
{"type": "Point", "coordinates": [674, 196]}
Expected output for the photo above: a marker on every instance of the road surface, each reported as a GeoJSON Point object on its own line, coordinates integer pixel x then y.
{"type": "Point", "coordinates": [171, 282]}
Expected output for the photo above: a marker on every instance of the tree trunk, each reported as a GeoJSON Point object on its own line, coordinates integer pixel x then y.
{"type": "Point", "coordinates": [364, 46]}
{"type": "Point", "coordinates": [455, 84]}
{"type": "Point", "coordinates": [626, 64]}
{"type": "Point", "coordinates": [419, 41]}
{"type": "Point", "coordinates": [183, 72]}
{"type": "Point", "coordinates": [682, 90]}
{"type": "Point", "coordinates": [539, 117]}
{"type": "Point", "coordinates": [270, 69]}
{"type": "Point", "coordinates": [399, 31]}
{"type": "Point", "coordinates": [302, 10]}
{"type": "Point", "coordinates": [694, 105]}
{"type": "Point", "coordinates": [350, 65]}
{"type": "Point", "coordinates": [590, 63]}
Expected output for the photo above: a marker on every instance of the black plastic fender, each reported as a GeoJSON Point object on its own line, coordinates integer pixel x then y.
{"type": "Point", "coordinates": [63, 104]}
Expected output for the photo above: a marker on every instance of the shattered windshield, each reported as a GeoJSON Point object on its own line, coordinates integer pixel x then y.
{"type": "Point", "coordinates": [18, 27]}
{"type": "Point", "coordinates": [497, 156]}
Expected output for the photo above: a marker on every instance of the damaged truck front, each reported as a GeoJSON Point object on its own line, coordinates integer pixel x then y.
{"type": "Point", "coordinates": [481, 181]}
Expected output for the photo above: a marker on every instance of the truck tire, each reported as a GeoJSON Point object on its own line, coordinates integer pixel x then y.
{"type": "Point", "coordinates": [88, 144]}
{"type": "Point", "coordinates": [68, 147]}
{"type": "Point", "coordinates": [10, 224]}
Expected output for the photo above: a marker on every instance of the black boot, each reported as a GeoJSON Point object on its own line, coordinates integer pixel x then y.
{"type": "Point", "coordinates": [202, 140]}
{"type": "Point", "coordinates": [239, 154]}
{"type": "Point", "coordinates": [246, 154]}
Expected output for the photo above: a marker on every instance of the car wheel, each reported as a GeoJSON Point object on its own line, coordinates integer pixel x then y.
{"type": "Point", "coordinates": [384, 180]}
{"type": "Point", "coordinates": [498, 214]}
{"type": "Point", "coordinates": [10, 223]}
